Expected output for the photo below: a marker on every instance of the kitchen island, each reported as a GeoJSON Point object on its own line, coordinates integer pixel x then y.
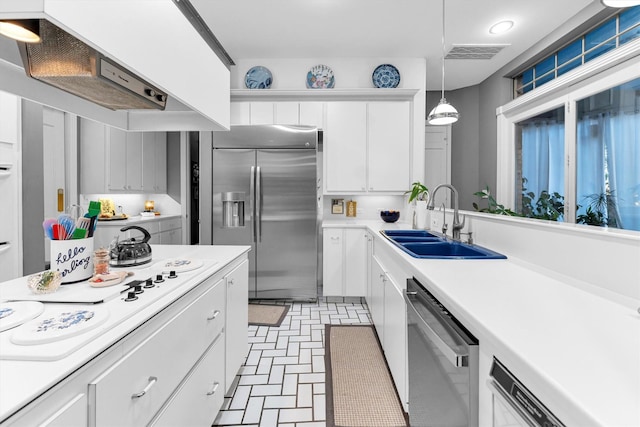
{"type": "Point", "coordinates": [577, 348]}
{"type": "Point", "coordinates": [149, 357]}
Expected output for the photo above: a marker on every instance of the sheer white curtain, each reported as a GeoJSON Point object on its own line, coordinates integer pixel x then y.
{"type": "Point", "coordinates": [543, 156]}
{"type": "Point", "coordinates": [609, 154]}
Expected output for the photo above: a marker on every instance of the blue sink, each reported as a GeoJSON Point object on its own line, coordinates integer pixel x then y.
{"type": "Point", "coordinates": [449, 249]}
{"type": "Point", "coordinates": [423, 244]}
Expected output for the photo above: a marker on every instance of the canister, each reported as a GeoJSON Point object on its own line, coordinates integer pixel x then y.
{"type": "Point", "coordinates": [73, 258]}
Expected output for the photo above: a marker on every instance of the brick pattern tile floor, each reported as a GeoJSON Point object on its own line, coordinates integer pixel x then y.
{"type": "Point", "coordinates": [282, 382]}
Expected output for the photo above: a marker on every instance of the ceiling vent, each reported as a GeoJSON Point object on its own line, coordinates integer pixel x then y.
{"type": "Point", "coordinates": [474, 51]}
{"type": "Point", "coordinates": [65, 62]}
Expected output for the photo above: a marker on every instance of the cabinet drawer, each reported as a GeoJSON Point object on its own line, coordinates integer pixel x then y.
{"type": "Point", "coordinates": [170, 224]}
{"type": "Point", "coordinates": [135, 388]}
{"type": "Point", "coordinates": [201, 395]}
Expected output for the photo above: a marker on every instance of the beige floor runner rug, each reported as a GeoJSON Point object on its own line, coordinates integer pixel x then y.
{"type": "Point", "coordinates": [267, 314]}
{"type": "Point", "coordinates": [359, 388]}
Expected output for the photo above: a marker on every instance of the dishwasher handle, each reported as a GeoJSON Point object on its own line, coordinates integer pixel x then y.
{"type": "Point", "coordinates": [456, 358]}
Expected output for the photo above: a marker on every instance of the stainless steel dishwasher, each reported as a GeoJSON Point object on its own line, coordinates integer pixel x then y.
{"type": "Point", "coordinates": [443, 364]}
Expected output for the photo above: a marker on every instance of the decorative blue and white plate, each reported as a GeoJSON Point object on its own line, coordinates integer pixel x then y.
{"type": "Point", "coordinates": [258, 77]}
{"type": "Point", "coordinates": [59, 324]}
{"type": "Point", "coordinates": [15, 313]}
{"type": "Point", "coordinates": [320, 77]}
{"type": "Point", "coordinates": [386, 76]}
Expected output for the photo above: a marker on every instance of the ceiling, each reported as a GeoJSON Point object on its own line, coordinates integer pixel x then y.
{"type": "Point", "coordinates": [253, 29]}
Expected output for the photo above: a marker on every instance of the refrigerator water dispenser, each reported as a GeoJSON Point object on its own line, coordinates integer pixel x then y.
{"type": "Point", "coordinates": [233, 209]}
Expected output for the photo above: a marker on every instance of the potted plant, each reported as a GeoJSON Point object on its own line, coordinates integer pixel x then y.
{"type": "Point", "coordinates": [418, 192]}
{"type": "Point", "coordinates": [419, 196]}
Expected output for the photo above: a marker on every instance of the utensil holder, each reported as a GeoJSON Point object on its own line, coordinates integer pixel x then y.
{"type": "Point", "coordinates": [73, 259]}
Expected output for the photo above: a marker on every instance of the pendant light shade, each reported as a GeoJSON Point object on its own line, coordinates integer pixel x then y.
{"type": "Point", "coordinates": [27, 30]}
{"type": "Point", "coordinates": [621, 3]}
{"type": "Point", "coordinates": [443, 113]}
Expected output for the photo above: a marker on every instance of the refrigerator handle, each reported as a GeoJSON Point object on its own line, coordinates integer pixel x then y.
{"type": "Point", "coordinates": [252, 202]}
{"type": "Point", "coordinates": [258, 204]}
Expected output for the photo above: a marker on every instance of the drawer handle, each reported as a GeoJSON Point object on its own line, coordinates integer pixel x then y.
{"type": "Point", "coordinates": [231, 281]}
{"type": "Point", "coordinates": [214, 315]}
{"type": "Point", "coordinates": [215, 387]}
{"type": "Point", "coordinates": [152, 381]}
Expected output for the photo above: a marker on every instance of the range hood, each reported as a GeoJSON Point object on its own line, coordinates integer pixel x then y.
{"type": "Point", "coordinates": [63, 61]}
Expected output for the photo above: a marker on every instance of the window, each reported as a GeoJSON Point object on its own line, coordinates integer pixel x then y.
{"type": "Point", "coordinates": [614, 32]}
{"type": "Point", "coordinates": [608, 157]}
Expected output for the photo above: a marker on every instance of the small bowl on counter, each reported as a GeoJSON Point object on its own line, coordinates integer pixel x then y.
{"type": "Point", "coordinates": [390, 216]}
{"type": "Point", "coordinates": [46, 282]}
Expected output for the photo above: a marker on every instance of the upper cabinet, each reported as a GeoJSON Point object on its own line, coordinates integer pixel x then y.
{"type": "Point", "coordinates": [112, 160]}
{"type": "Point", "coordinates": [281, 113]}
{"type": "Point", "coordinates": [367, 147]}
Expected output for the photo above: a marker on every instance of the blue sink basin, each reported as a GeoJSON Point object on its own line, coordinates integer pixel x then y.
{"type": "Point", "coordinates": [415, 234]}
{"type": "Point", "coordinates": [423, 244]}
{"type": "Point", "coordinates": [449, 249]}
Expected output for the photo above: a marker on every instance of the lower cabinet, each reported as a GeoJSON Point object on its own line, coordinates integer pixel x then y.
{"type": "Point", "coordinates": [197, 401]}
{"type": "Point", "coordinates": [237, 320]}
{"type": "Point", "coordinates": [130, 392]}
{"type": "Point", "coordinates": [344, 262]}
{"type": "Point", "coordinates": [389, 315]}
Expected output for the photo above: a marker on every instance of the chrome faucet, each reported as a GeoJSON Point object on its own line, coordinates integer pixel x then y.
{"type": "Point", "coordinates": [457, 225]}
{"type": "Point", "coordinates": [445, 226]}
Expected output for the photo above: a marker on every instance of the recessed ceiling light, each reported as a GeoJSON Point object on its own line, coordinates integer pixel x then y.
{"type": "Point", "coordinates": [501, 27]}
{"type": "Point", "coordinates": [621, 3]}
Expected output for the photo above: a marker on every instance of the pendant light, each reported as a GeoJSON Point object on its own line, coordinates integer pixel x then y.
{"type": "Point", "coordinates": [27, 30]}
{"type": "Point", "coordinates": [621, 3]}
{"type": "Point", "coordinates": [443, 113]}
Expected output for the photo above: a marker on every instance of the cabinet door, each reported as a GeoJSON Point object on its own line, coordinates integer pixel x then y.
{"type": "Point", "coordinates": [262, 113]}
{"type": "Point", "coordinates": [286, 113]}
{"type": "Point", "coordinates": [117, 142]}
{"type": "Point", "coordinates": [355, 276]}
{"type": "Point", "coordinates": [376, 304]}
{"type": "Point", "coordinates": [73, 413]}
{"type": "Point", "coordinates": [395, 333]}
{"type": "Point", "coordinates": [237, 321]}
{"type": "Point", "coordinates": [161, 162]}
{"type": "Point", "coordinates": [93, 155]}
{"type": "Point", "coordinates": [154, 162]}
{"type": "Point", "coordinates": [389, 136]}
{"type": "Point", "coordinates": [198, 400]}
{"type": "Point", "coordinates": [240, 113]}
{"type": "Point", "coordinates": [332, 262]}
{"type": "Point", "coordinates": [312, 114]}
{"type": "Point", "coordinates": [345, 147]}
{"type": "Point", "coordinates": [134, 161]}
{"type": "Point", "coordinates": [369, 239]}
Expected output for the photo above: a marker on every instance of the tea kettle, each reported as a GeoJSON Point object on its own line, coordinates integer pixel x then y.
{"type": "Point", "coordinates": [132, 251]}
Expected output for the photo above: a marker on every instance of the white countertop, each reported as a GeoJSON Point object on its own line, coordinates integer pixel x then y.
{"type": "Point", "coordinates": [24, 380]}
{"type": "Point", "coordinates": [577, 351]}
{"type": "Point", "coordinates": [135, 220]}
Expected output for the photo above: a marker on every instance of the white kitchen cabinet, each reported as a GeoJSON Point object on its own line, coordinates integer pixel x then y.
{"type": "Point", "coordinates": [376, 302]}
{"type": "Point", "coordinates": [367, 147]}
{"type": "Point", "coordinates": [125, 160]}
{"type": "Point", "coordinates": [369, 258]}
{"type": "Point", "coordinates": [73, 413]}
{"type": "Point", "coordinates": [389, 148]}
{"type": "Point", "coordinates": [237, 321]}
{"type": "Point", "coordinates": [131, 391]}
{"type": "Point", "coordinates": [93, 157]}
{"type": "Point", "coordinates": [286, 113]}
{"type": "Point", "coordinates": [282, 113]}
{"type": "Point", "coordinates": [197, 401]}
{"type": "Point", "coordinates": [345, 147]}
{"type": "Point", "coordinates": [344, 262]}
{"type": "Point", "coordinates": [154, 162]}
{"type": "Point", "coordinates": [312, 114]}
{"type": "Point", "coordinates": [395, 335]}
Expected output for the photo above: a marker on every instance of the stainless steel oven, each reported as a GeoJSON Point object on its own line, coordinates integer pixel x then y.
{"type": "Point", "coordinates": [443, 364]}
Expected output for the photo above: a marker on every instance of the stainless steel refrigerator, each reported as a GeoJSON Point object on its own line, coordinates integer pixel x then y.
{"type": "Point", "coordinates": [264, 194]}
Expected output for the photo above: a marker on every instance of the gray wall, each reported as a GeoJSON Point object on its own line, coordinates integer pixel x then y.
{"type": "Point", "coordinates": [32, 188]}
{"type": "Point", "coordinates": [474, 136]}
